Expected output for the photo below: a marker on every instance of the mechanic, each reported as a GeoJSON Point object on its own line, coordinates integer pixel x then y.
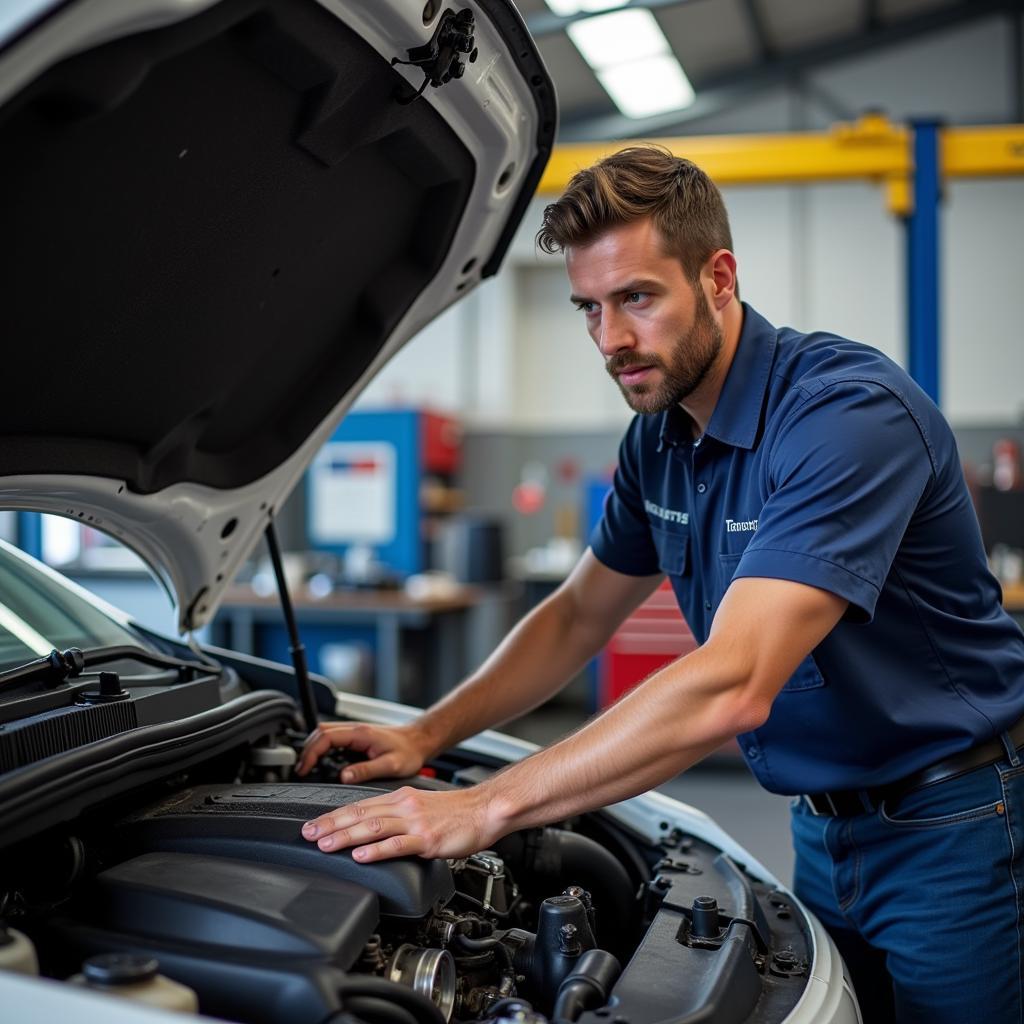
{"type": "Point", "coordinates": [806, 501]}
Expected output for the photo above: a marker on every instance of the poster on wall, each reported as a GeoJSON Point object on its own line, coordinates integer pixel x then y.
{"type": "Point", "coordinates": [352, 493]}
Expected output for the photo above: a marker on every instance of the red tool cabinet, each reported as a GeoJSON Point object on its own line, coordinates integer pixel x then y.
{"type": "Point", "coordinates": [655, 634]}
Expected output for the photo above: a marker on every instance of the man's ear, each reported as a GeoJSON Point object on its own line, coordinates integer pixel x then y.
{"type": "Point", "coordinates": [721, 268]}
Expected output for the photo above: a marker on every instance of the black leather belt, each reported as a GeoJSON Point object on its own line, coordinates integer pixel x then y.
{"type": "Point", "coordinates": [842, 803]}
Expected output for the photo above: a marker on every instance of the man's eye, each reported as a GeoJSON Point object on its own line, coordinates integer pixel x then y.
{"type": "Point", "coordinates": [636, 296]}
{"type": "Point", "coordinates": [587, 307]}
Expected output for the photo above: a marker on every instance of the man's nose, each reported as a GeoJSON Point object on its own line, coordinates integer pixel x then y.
{"type": "Point", "coordinates": [615, 335]}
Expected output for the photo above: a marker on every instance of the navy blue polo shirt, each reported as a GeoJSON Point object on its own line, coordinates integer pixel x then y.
{"type": "Point", "coordinates": [824, 463]}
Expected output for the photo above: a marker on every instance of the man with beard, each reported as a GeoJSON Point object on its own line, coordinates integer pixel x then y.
{"type": "Point", "coordinates": [805, 499]}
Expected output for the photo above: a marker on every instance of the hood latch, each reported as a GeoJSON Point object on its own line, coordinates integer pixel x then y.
{"type": "Point", "coordinates": [441, 59]}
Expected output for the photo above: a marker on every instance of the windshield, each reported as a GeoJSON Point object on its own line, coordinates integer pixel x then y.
{"type": "Point", "coordinates": [38, 613]}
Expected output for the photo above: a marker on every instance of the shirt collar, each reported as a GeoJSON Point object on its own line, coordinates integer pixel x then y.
{"type": "Point", "coordinates": [737, 414]}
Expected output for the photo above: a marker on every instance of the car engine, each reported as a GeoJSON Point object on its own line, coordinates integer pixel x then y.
{"type": "Point", "coordinates": [214, 884]}
{"type": "Point", "coordinates": [219, 887]}
{"type": "Point", "coordinates": [168, 858]}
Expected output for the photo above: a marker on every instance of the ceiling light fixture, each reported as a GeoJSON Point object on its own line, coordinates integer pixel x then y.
{"type": "Point", "coordinates": [567, 8]}
{"type": "Point", "coordinates": [632, 59]}
{"type": "Point", "coordinates": [646, 87]}
{"type": "Point", "coordinates": [616, 38]}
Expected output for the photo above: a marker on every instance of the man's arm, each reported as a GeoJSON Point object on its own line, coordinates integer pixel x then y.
{"type": "Point", "coordinates": [763, 629]}
{"type": "Point", "coordinates": [539, 656]}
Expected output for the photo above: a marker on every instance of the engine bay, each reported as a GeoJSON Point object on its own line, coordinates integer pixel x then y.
{"type": "Point", "coordinates": [158, 857]}
{"type": "Point", "coordinates": [211, 884]}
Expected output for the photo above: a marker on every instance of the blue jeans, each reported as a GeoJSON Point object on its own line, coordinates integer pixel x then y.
{"type": "Point", "coordinates": [924, 897]}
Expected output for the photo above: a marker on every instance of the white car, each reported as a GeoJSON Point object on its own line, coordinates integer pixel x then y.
{"type": "Point", "coordinates": [220, 219]}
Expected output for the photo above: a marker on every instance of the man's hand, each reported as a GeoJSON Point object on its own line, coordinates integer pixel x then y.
{"type": "Point", "coordinates": [408, 822]}
{"type": "Point", "coordinates": [391, 751]}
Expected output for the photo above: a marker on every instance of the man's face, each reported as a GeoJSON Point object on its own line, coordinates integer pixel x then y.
{"type": "Point", "coordinates": [652, 324]}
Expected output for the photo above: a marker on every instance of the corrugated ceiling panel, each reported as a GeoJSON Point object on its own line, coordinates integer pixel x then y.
{"type": "Point", "coordinates": [575, 84]}
{"type": "Point", "coordinates": [795, 24]}
{"type": "Point", "coordinates": [893, 10]}
{"type": "Point", "coordinates": [709, 36]}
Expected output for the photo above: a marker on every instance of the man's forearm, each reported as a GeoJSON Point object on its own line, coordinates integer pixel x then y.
{"type": "Point", "coordinates": [544, 651]}
{"type": "Point", "coordinates": [678, 715]}
{"type": "Point", "coordinates": [675, 718]}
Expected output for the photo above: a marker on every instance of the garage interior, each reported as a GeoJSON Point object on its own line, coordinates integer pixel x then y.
{"type": "Point", "coordinates": [871, 154]}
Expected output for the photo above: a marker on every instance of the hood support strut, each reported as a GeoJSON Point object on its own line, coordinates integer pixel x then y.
{"type": "Point", "coordinates": [296, 648]}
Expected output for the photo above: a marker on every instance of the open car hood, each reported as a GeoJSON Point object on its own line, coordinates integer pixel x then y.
{"type": "Point", "coordinates": [220, 220]}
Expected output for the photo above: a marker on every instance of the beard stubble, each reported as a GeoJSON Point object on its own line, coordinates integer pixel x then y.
{"type": "Point", "coordinates": [682, 373]}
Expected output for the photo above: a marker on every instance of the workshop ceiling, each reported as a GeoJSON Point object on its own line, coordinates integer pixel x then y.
{"type": "Point", "coordinates": [732, 50]}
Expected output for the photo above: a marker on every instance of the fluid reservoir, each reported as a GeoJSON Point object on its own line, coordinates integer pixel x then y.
{"type": "Point", "coordinates": [17, 952]}
{"type": "Point", "coordinates": [136, 978]}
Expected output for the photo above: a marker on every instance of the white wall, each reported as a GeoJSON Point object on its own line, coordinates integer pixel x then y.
{"type": "Point", "coordinates": [515, 354]}
{"type": "Point", "coordinates": [983, 284]}
{"type": "Point", "coordinates": [430, 370]}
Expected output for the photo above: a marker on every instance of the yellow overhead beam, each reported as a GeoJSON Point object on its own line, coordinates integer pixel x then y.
{"type": "Point", "coordinates": [983, 152]}
{"type": "Point", "coordinates": [872, 148]}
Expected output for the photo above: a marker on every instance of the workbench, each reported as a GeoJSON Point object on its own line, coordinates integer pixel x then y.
{"type": "Point", "coordinates": [443, 622]}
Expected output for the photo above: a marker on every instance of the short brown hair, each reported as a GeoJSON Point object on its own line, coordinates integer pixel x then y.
{"type": "Point", "coordinates": [636, 182]}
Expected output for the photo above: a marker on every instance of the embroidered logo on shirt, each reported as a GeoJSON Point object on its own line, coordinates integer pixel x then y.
{"type": "Point", "coordinates": [670, 515]}
{"type": "Point", "coordinates": [740, 525]}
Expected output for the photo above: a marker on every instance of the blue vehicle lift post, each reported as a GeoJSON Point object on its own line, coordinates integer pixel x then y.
{"type": "Point", "coordinates": [922, 228]}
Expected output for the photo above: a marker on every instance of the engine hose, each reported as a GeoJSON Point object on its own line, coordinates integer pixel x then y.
{"type": "Point", "coordinates": [374, 1010]}
{"type": "Point", "coordinates": [359, 985]}
{"type": "Point", "coordinates": [587, 987]}
{"type": "Point", "coordinates": [565, 857]}
{"type": "Point", "coordinates": [488, 945]}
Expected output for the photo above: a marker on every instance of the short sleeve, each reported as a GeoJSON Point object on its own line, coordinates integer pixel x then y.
{"type": "Point", "coordinates": [622, 538]}
{"type": "Point", "coordinates": [846, 473]}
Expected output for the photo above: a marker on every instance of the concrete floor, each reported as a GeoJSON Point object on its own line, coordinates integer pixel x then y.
{"type": "Point", "coordinates": [721, 786]}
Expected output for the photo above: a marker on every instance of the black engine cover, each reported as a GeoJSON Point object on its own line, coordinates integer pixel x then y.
{"type": "Point", "coordinates": [260, 943]}
{"type": "Point", "coordinates": [236, 906]}
{"type": "Point", "coordinates": [261, 824]}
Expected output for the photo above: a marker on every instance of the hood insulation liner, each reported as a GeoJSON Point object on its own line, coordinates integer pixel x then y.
{"type": "Point", "coordinates": [210, 229]}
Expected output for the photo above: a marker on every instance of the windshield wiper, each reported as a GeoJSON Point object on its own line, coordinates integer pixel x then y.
{"type": "Point", "coordinates": [59, 666]}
